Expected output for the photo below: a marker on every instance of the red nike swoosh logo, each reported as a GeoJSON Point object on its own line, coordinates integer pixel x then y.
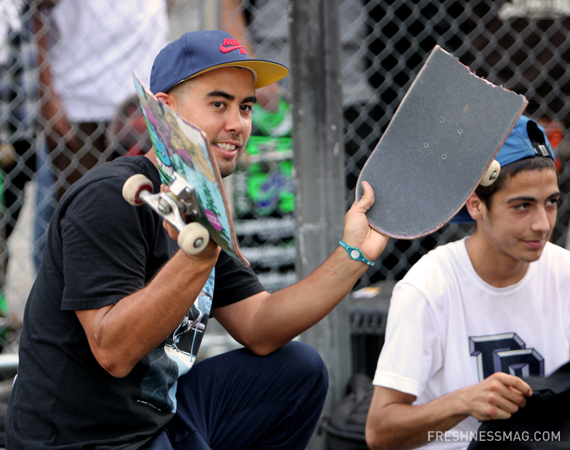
{"type": "Point", "coordinates": [229, 49]}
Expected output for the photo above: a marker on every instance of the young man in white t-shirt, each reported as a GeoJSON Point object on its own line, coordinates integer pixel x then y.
{"type": "Point", "coordinates": [472, 317]}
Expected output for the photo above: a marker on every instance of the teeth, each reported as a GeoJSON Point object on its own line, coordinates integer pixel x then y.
{"type": "Point", "coordinates": [227, 147]}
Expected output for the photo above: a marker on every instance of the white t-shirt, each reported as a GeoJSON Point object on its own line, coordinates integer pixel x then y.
{"type": "Point", "coordinates": [98, 44]}
{"type": "Point", "coordinates": [448, 329]}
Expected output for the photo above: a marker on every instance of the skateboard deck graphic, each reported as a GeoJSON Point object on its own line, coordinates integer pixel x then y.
{"type": "Point", "coordinates": [437, 147]}
{"type": "Point", "coordinates": [187, 164]}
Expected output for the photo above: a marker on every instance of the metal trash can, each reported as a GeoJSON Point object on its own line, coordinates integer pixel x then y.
{"type": "Point", "coordinates": [368, 316]}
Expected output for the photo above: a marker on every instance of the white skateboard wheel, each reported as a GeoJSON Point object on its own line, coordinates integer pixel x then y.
{"type": "Point", "coordinates": [492, 174]}
{"type": "Point", "coordinates": [133, 187]}
{"type": "Point", "coordinates": [193, 238]}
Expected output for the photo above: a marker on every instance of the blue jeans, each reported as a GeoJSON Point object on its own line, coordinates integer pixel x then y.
{"type": "Point", "coordinates": [241, 401]}
{"type": "Point", "coordinates": [45, 201]}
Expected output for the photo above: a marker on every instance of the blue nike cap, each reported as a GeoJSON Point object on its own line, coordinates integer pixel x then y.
{"type": "Point", "coordinates": [526, 140]}
{"type": "Point", "coordinates": [198, 52]}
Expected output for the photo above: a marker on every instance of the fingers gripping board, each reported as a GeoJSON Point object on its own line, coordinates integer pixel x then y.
{"type": "Point", "coordinates": [437, 147]}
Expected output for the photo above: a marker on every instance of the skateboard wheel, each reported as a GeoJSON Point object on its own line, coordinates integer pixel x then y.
{"type": "Point", "coordinates": [193, 238]}
{"type": "Point", "coordinates": [491, 175]}
{"type": "Point", "coordinates": [133, 187]}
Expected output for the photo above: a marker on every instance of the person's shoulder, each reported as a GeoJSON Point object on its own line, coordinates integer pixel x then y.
{"type": "Point", "coordinates": [122, 167]}
{"type": "Point", "coordinates": [555, 255]}
{"type": "Point", "coordinates": [228, 266]}
{"type": "Point", "coordinates": [556, 250]}
{"type": "Point", "coordinates": [551, 270]}
{"type": "Point", "coordinates": [437, 261]}
{"type": "Point", "coordinates": [102, 187]}
{"type": "Point", "coordinates": [434, 275]}
{"type": "Point", "coordinates": [115, 172]}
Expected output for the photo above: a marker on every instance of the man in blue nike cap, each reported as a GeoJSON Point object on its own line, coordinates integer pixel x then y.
{"type": "Point", "coordinates": [473, 317]}
{"type": "Point", "coordinates": [114, 320]}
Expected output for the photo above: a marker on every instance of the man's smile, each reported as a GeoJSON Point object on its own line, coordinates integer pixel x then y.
{"type": "Point", "coordinates": [227, 149]}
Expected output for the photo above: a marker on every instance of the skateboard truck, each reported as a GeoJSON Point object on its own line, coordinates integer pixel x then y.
{"type": "Point", "coordinates": [187, 198]}
{"type": "Point", "coordinates": [193, 237]}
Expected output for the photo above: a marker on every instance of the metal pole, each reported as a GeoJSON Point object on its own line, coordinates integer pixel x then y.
{"type": "Point", "coordinates": [318, 156]}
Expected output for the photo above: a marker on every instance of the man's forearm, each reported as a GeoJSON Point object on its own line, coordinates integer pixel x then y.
{"type": "Point", "coordinates": [265, 322]}
{"type": "Point", "coordinates": [121, 335]}
{"type": "Point", "coordinates": [55, 122]}
{"type": "Point", "coordinates": [403, 426]}
{"type": "Point", "coordinates": [285, 314]}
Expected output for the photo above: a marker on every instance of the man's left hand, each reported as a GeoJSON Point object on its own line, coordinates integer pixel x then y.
{"type": "Point", "coordinates": [357, 231]}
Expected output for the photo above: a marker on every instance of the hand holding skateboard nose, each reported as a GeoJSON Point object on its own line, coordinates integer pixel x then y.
{"type": "Point", "coordinates": [211, 250]}
{"type": "Point", "coordinates": [357, 231]}
{"type": "Point", "coordinates": [172, 230]}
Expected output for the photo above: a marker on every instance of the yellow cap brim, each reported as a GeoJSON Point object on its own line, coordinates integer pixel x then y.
{"type": "Point", "coordinates": [266, 72]}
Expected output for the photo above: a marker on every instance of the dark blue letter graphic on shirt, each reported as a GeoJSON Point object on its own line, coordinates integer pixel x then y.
{"type": "Point", "coordinates": [507, 353]}
{"type": "Point", "coordinates": [176, 355]}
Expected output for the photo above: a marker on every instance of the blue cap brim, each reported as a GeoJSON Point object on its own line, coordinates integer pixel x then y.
{"type": "Point", "coordinates": [462, 216]}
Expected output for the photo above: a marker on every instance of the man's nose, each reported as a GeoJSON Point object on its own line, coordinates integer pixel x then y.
{"type": "Point", "coordinates": [235, 121]}
{"type": "Point", "coordinates": [540, 221]}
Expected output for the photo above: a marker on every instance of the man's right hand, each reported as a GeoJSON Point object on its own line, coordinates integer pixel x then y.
{"type": "Point", "coordinates": [212, 250]}
{"type": "Point", "coordinates": [394, 422]}
{"type": "Point", "coordinates": [497, 397]}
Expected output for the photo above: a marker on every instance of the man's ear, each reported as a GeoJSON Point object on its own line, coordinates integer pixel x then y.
{"type": "Point", "coordinates": [167, 99]}
{"type": "Point", "coordinates": [475, 206]}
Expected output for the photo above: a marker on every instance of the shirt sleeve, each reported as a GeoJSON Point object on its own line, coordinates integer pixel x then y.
{"type": "Point", "coordinates": [234, 282]}
{"type": "Point", "coordinates": [411, 351]}
{"type": "Point", "coordinates": [106, 243]}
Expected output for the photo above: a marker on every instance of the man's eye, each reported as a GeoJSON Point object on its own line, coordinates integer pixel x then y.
{"type": "Point", "coordinates": [522, 206]}
{"type": "Point", "coordinates": [246, 108]}
{"type": "Point", "coordinates": [554, 202]}
{"type": "Point", "coordinates": [218, 104]}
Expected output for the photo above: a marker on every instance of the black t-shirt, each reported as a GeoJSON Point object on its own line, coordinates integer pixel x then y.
{"type": "Point", "coordinates": [100, 249]}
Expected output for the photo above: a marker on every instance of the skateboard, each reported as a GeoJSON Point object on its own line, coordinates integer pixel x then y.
{"type": "Point", "coordinates": [196, 204]}
{"type": "Point", "coordinates": [438, 147]}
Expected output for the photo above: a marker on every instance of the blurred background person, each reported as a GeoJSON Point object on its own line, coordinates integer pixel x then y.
{"type": "Point", "coordinates": [87, 51]}
{"type": "Point", "coordinates": [127, 134]}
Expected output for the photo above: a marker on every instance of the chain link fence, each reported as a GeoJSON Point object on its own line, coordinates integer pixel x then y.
{"type": "Point", "coordinates": [66, 105]}
{"type": "Point", "coordinates": [523, 45]}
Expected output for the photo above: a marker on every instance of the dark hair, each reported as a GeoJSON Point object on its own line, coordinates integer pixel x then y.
{"type": "Point", "coordinates": [485, 193]}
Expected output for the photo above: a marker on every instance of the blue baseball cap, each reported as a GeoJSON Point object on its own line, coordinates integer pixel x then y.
{"type": "Point", "coordinates": [526, 140]}
{"type": "Point", "coordinates": [198, 52]}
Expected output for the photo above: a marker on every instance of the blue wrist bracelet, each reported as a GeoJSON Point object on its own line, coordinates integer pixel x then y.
{"type": "Point", "coordinates": [355, 254]}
